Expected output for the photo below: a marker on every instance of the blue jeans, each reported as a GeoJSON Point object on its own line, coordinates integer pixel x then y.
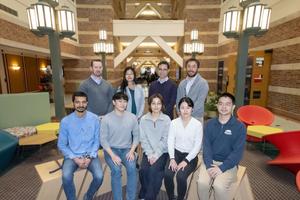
{"type": "Point", "coordinates": [68, 169]}
{"type": "Point", "coordinates": [151, 177]}
{"type": "Point", "coordinates": [116, 175]}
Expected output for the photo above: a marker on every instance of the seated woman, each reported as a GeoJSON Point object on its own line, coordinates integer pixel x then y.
{"type": "Point", "coordinates": [135, 93]}
{"type": "Point", "coordinates": [154, 128]}
{"type": "Point", "coordinates": [184, 144]}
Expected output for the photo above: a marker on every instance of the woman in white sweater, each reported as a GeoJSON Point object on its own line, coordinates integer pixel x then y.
{"type": "Point", "coordinates": [184, 144]}
{"type": "Point", "coordinates": [154, 128]}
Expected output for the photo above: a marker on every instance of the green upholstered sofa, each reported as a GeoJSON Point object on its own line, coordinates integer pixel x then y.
{"type": "Point", "coordinates": [8, 145]}
{"type": "Point", "coordinates": [17, 110]}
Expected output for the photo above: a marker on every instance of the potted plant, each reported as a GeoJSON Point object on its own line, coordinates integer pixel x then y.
{"type": "Point", "coordinates": [211, 105]}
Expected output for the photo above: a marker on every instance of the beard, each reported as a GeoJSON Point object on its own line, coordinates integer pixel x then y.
{"type": "Point", "coordinates": [80, 109]}
{"type": "Point", "coordinates": [191, 74]}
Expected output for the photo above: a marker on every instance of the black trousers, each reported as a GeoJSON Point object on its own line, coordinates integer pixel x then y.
{"type": "Point", "coordinates": [151, 177]}
{"type": "Point", "coordinates": [181, 176]}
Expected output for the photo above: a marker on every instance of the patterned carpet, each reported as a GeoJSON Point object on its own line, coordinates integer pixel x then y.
{"type": "Point", "coordinates": [267, 182]}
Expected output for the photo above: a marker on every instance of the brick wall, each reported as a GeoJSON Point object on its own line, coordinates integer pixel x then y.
{"type": "Point", "coordinates": [283, 39]}
{"type": "Point", "coordinates": [198, 14]}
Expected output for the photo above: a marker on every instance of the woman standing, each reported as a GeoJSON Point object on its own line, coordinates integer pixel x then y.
{"type": "Point", "coordinates": [184, 144]}
{"type": "Point", "coordinates": [154, 128]}
{"type": "Point", "coordinates": [135, 93]}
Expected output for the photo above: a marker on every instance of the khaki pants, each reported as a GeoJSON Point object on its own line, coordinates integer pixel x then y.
{"type": "Point", "coordinates": [221, 185]}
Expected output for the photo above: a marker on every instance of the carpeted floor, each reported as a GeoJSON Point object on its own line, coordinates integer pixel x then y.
{"type": "Point", "coordinates": [267, 182]}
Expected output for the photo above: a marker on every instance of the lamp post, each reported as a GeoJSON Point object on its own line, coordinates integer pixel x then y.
{"type": "Point", "coordinates": [195, 47]}
{"type": "Point", "coordinates": [102, 48]}
{"type": "Point", "coordinates": [43, 20]}
{"type": "Point", "coordinates": [253, 19]}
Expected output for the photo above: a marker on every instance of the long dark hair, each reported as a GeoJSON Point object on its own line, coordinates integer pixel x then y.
{"type": "Point", "coordinates": [124, 83]}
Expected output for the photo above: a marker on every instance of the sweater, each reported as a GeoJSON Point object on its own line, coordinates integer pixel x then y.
{"type": "Point", "coordinates": [168, 91]}
{"type": "Point", "coordinates": [197, 93]}
{"type": "Point", "coordinates": [139, 98]}
{"type": "Point", "coordinates": [224, 143]}
{"type": "Point", "coordinates": [154, 134]}
{"type": "Point", "coordinates": [119, 131]}
{"type": "Point", "coordinates": [99, 96]}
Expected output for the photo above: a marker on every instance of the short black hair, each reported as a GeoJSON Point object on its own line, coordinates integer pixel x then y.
{"type": "Point", "coordinates": [79, 94]}
{"type": "Point", "coordinates": [192, 60]}
{"type": "Point", "coordinates": [120, 95]}
{"type": "Point", "coordinates": [188, 100]}
{"type": "Point", "coordinates": [95, 60]}
{"type": "Point", "coordinates": [163, 63]}
{"type": "Point", "coordinates": [227, 94]}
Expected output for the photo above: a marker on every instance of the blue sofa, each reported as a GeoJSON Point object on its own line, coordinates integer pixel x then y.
{"type": "Point", "coordinates": [8, 145]}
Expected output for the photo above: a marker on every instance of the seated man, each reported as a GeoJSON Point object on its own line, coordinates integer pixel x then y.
{"type": "Point", "coordinates": [119, 138]}
{"type": "Point", "coordinates": [79, 142]}
{"type": "Point", "coordinates": [223, 146]}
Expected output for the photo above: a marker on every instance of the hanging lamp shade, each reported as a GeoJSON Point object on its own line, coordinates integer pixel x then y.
{"type": "Point", "coordinates": [194, 34]}
{"type": "Point", "coordinates": [99, 47]}
{"type": "Point", "coordinates": [187, 49]}
{"type": "Point", "coordinates": [31, 15]}
{"type": "Point", "coordinates": [109, 48]}
{"type": "Point", "coordinates": [197, 47]}
{"type": "Point", "coordinates": [66, 21]}
{"type": "Point", "coordinates": [231, 22]}
{"type": "Point", "coordinates": [265, 22]}
{"type": "Point", "coordinates": [102, 35]}
{"type": "Point", "coordinates": [44, 16]}
{"type": "Point", "coordinates": [253, 18]}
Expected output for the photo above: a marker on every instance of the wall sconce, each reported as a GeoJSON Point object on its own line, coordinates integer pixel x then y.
{"type": "Point", "coordinates": [15, 67]}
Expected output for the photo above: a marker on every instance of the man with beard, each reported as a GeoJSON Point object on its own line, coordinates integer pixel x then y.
{"type": "Point", "coordinates": [98, 90]}
{"type": "Point", "coordinates": [194, 87]}
{"type": "Point", "coordinates": [223, 147]}
{"type": "Point", "coordinates": [79, 141]}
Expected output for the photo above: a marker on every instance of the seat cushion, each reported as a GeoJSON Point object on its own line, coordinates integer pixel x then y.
{"type": "Point", "coordinates": [22, 131]}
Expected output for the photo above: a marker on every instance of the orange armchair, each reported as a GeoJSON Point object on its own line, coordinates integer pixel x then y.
{"type": "Point", "coordinates": [255, 115]}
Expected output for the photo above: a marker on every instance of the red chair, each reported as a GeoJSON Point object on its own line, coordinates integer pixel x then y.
{"type": "Point", "coordinates": [255, 115]}
{"type": "Point", "coordinates": [288, 144]}
{"type": "Point", "coordinates": [298, 180]}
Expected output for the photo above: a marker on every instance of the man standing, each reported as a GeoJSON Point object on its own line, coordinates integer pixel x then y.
{"type": "Point", "coordinates": [119, 138]}
{"type": "Point", "coordinates": [79, 142]}
{"type": "Point", "coordinates": [166, 87]}
{"type": "Point", "coordinates": [223, 146]}
{"type": "Point", "coordinates": [195, 87]}
{"type": "Point", "coordinates": [98, 90]}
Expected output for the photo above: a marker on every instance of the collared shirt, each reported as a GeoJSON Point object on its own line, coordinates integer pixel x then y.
{"type": "Point", "coordinates": [96, 79]}
{"type": "Point", "coordinates": [161, 81]}
{"type": "Point", "coordinates": [185, 139]}
{"type": "Point", "coordinates": [79, 136]}
{"type": "Point", "coordinates": [189, 84]}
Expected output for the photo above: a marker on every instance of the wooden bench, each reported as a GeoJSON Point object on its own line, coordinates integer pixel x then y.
{"type": "Point", "coordinates": [52, 183]}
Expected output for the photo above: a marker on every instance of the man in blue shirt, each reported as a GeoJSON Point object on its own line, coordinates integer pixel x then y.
{"type": "Point", "coordinates": [223, 146]}
{"type": "Point", "coordinates": [79, 142]}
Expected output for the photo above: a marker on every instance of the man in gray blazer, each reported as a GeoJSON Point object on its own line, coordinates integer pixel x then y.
{"type": "Point", "coordinates": [195, 87]}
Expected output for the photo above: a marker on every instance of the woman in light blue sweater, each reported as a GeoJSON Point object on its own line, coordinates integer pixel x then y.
{"type": "Point", "coordinates": [135, 93]}
{"type": "Point", "coordinates": [154, 128]}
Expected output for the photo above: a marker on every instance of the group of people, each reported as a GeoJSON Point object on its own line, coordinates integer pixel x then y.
{"type": "Point", "coordinates": [170, 148]}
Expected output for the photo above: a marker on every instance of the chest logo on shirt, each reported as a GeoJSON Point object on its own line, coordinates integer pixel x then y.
{"type": "Point", "coordinates": [227, 132]}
